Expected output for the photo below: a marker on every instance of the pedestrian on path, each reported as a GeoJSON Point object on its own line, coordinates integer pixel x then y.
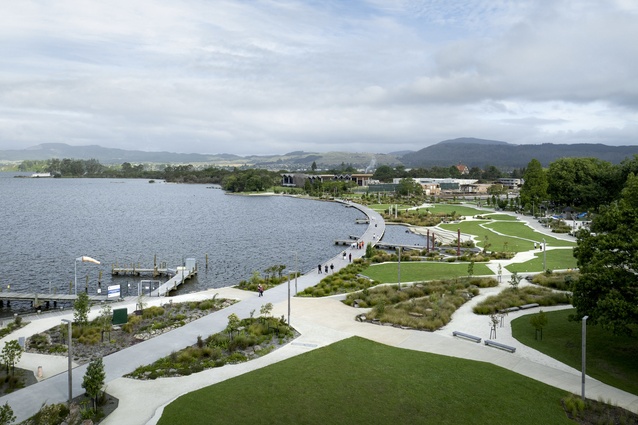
{"type": "Point", "coordinates": [326, 269]}
{"type": "Point", "coordinates": [350, 257]}
{"type": "Point", "coordinates": [260, 289]}
{"type": "Point", "coordinates": [319, 269]}
{"type": "Point", "coordinates": [332, 268]}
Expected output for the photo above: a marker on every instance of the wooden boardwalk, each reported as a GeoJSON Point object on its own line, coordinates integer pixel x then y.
{"type": "Point", "coordinates": [181, 274]}
{"type": "Point", "coordinates": [38, 299]}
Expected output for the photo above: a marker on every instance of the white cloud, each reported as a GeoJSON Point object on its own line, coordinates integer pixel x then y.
{"type": "Point", "coordinates": [277, 76]}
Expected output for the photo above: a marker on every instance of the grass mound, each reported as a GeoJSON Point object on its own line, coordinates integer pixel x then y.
{"type": "Point", "coordinates": [357, 381]}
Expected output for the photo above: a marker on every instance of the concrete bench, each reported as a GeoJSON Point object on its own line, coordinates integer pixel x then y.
{"type": "Point", "coordinates": [509, 310]}
{"type": "Point", "coordinates": [499, 345]}
{"type": "Point", "coordinates": [526, 306]}
{"type": "Point", "coordinates": [466, 336]}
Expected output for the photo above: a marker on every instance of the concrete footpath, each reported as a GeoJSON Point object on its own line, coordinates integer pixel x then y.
{"type": "Point", "coordinates": [320, 321]}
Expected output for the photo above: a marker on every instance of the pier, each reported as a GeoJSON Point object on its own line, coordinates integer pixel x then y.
{"type": "Point", "coordinates": [39, 300]}
{"type": "Point", "coordinates": [179, 275]}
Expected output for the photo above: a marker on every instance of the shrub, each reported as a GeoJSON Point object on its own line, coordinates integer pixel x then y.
{"type": "Point", "coordinates": [153, 311]}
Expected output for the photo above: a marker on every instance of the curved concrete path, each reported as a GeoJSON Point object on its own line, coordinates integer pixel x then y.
{"type": "Point", "coordinates": [320, 321]}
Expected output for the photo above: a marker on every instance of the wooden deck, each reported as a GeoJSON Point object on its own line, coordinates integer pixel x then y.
{"type": "Point", "coordinates": [41, 299]}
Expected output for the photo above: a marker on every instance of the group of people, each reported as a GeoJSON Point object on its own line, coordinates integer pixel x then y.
{"type": "Point", "coordinates": [332, 267]}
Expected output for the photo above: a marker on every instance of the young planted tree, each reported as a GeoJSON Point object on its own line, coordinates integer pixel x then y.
{"type": "Point", "coordinates": [11, 353]}
{"type": "Point", "coordinates": [538, 321]}
{"type": "Point", "coordinates": [105, 320]}
{"type": "Point", "coordinates": [470, 269]}
{"type": "Point", "coordinates": [81, 308]}
{"type": "Point", "coordinates": [515, 280]}
{"type": "Point", "coordinates": [233, 324]}
{"type": "Point", "coordinates": [266, 310]}
{"type": "Point", "coordinates": [93, 381]}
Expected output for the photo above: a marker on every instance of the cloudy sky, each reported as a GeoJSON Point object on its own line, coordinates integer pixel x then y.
{"type": "Point", "coordinates": [274, 76]}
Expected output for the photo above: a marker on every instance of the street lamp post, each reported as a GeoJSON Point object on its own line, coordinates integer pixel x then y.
{"type": "Point", "coordinates": [83, 259]}
{"type": "Point", "coordinates": [399, 269]}
{"type": "Point", "coordinates": [544, 255]}
{"type": "Point", "coordinates": [70, 368]}
{"type": "Point", "coordinates": [583, 354]}
{"type": "Point", "coordinates": [289, 298]}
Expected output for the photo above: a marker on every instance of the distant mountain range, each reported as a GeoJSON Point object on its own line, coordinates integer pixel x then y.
{"type": "Point", "coordinates": [468, 151]}
{"type": "Point", "coordinates": [481, 153]}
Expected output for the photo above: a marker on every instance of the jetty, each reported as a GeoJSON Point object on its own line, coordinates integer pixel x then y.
{"type": "Point", "coordinates": [156, 271]}
{"type": "Point", "coordinates": [177, 275]}
{"type": "Point", "coordinates": [39, 300]}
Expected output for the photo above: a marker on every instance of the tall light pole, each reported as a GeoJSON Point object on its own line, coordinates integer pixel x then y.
{"type": "Point", "coordinates": [83, 259]}
{"type": "Point", "coordinates": [70, 352]}
{"type": "Point", "coordinates": [296, 269]}
{"type": "Point", "coordinates": [399, 273]}
{"type": "Point", "coordinates": [583, 353]}
{"type": "Point", "coordinates": [544, 255]}
{"type": "Point", "coordinates": [289, 298]}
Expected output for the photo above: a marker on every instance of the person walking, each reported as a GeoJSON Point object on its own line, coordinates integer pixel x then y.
{"type": "Point", "coordinates": [326, 269]}
{"type": "Point", "coordinates": [332, 268]}
{"type": "Point", "coordinates": [319, 269]}
{"type": "Point", "coordinates": [260, 289]}
{"type": "Point", "coordinates": [350, 257]}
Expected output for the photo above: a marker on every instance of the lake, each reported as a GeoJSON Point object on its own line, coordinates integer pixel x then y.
{"type": "Point", "coordinates": [48, 223]}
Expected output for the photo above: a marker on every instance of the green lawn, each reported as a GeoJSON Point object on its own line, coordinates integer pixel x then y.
{"type": "Point", "coordinates": [556, 259]}
{"type": "Point", "coordinates": [510, 237]}
{"type": "Point", "coordinates": [522, 231]}
{"type": "Point", "coordinates": [497, 242]}
{"type": "Point", "coordinates": [610, 359]}
{"type": "Point", "coordinates": [357, 381]}
{"type": "Point", "coordinates": [449, 208]}
{"type": "Point", "coordinates": [496, 216]}
{"type": "Point", "coordinates": [418, 271]}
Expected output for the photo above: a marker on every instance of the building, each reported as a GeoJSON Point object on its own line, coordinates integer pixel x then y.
{"type": "Point", "coordinates": [299, 179]}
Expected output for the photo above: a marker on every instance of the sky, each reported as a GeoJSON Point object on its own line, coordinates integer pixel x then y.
{"type": "Point", "coordinates": [276, 76]}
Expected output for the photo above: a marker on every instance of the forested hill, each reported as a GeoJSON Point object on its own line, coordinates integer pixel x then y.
{"type": "Point", "coordinates": [481, 153]}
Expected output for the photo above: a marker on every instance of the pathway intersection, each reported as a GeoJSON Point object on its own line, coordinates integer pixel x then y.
{"type": "Point", "coordinates": [320, 321]}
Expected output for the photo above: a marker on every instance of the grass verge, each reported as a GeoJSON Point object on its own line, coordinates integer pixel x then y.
{"type": "Point", "coordinates": [610, 359]}
{"type": "Point", "coordinates": [555, 259]}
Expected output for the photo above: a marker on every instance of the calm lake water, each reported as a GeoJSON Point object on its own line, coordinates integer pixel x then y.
{"type": "Point", "coordinates": [48, 223]}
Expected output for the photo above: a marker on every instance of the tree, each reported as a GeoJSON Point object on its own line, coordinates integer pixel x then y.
{"type": "Point", "coordinates": [313, 167]}
{"type": "Point", "coordinates": [538, 321]}
{"type": "Point", "coordinates": [607, 290]}
{"type": "Point", "coordinates": [11, 353]}
{"type": "Point", "coordinates": [582, 182]}
{"type": "Point", "coordinates": [81, 308]}
{"type": "Point", "coordinates": [6, 414]}
{"type": "Point", "coordinates": [94, 380]}
{"type": "Point", "coordinates": [534, 190]}
{"type": "Point", "coordinates": [409, 187]}
{"type": "Point", "coordinates": [470, 269]}
{"type": "Point", "coordinates": [233, 324]}
{"type": "Point", "coordinates": [384, 173]}
{"type": "Point", "coordinates": [266, 310]}
{"type": "Point", "coordinates": [515, 280]}
{"type": "Point", "coordinates": [105, 320]}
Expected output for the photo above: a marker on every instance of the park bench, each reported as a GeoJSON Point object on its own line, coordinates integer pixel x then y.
{"type": "Point", "coordinates": [532, 305]}
{"type": "Point", "coordinates": [466, 336]}
{"type": "Point", "coordinates": [499, 345]}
